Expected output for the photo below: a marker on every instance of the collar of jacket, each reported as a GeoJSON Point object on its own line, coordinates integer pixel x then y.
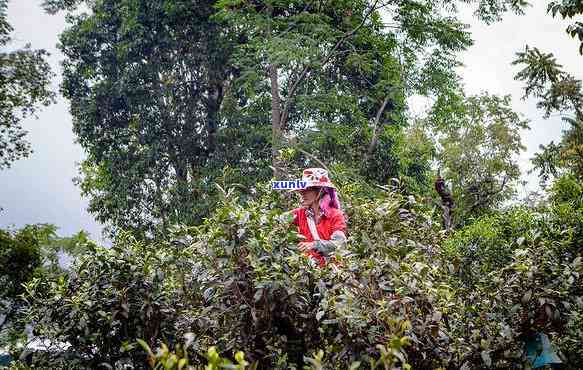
{"type": "Point", "coordinates": [310, 212]}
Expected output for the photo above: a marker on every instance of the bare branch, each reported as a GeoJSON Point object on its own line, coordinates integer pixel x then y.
{"type": "Point", "coordinates": [315, 159]}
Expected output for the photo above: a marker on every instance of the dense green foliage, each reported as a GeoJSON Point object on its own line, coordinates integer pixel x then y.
{"type": "Point", "coordinates": [145, 103]}
{"type": "Point", "coordinates": [478, 146]}
{"type": "Point", "coordinates": [182, 107]}
{"type": "Point", "coordinates": [24, 85]}
{"type": "Point", "coordinates": [166, 95]}
{"type": "Point", "coordinates": [238, 282]}
{"type": "Point", "coordinates": [20, 257]}
{"type": "Point", "coordinates": [34, 251]}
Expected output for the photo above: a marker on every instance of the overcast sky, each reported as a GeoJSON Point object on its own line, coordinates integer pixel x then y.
{"type": "Point", "coordinates": [40, 189]}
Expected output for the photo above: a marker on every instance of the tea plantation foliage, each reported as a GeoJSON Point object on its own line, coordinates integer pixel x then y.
{"type": "Point", "coordinates": [402, 295]}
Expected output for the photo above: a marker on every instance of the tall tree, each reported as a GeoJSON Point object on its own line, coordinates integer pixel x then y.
{"type": "Point", "coordinates": [478, 146]}
{"type": "Point", "coordinates": [146, 80]}
{"type": "Point", "coordinates": [556, 91]}
{"type": "Point", "coordinates": [293, 51]}
{"type": "Point", "coordinates": [25, 79]}
{"type": "Point", "coordinates": [166, 94]}
{"type": "Point", "coordinates": [336, 73]}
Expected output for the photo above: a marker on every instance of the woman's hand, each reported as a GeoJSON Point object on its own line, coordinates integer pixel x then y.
{"type": "Point", "coordinates": [306, 246]}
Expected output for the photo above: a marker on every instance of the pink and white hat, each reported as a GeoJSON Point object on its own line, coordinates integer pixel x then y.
{"type": "Point", "coordinates": [316, 177]}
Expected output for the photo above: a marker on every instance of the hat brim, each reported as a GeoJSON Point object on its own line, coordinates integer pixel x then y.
{"type": "Point", "coordinates": [317, 185]}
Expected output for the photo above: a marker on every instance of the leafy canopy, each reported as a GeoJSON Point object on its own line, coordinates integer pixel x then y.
{"type": "Point", "coordinates": [556, 91]}
{"type": "Point", "coordinates": [478, 143]}
{"type": "Point", "coordinates": [25, 79]}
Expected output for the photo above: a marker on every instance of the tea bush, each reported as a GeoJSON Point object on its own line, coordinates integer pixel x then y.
{"type": "Point", "coordinates": [402, 294]}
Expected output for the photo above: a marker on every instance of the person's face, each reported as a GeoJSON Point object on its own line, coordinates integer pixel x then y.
{"type": "Point", "coordinates": [309, 196]}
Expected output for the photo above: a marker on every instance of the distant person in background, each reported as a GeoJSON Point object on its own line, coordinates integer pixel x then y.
{"type": "Point", "coordinates": [320, 218]}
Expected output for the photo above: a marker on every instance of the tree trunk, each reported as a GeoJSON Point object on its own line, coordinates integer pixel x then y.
{"type": "Point", "coordinates": [275, 106]}
{"type": "Point", "coordinates": [376, 129]}
{"type": "Point", "coordinates": [447, 202]}
{"type": "Point", "coordinates": [215, 95]}
{"type": "Point", "coordinates": [181, 171]}
{"type": "Point", "coordinates": [275, 118]}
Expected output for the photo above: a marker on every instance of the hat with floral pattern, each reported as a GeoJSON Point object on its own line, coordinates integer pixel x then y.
{"type": "Point", "coordinates": [316, 177]}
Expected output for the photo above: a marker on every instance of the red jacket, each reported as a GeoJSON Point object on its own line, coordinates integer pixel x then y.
{"type": "Point", "coordinates": [328, 223]}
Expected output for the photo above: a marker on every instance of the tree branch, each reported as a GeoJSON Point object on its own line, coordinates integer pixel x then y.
{"type": "Point", "coordinates": [307, 67]}
{"type": "Point", "coordinates": [376, 127]}
{"type": "Point", "coordinates": [315, 159]}
{"type": "Point", "coordinates": [489, 195]}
